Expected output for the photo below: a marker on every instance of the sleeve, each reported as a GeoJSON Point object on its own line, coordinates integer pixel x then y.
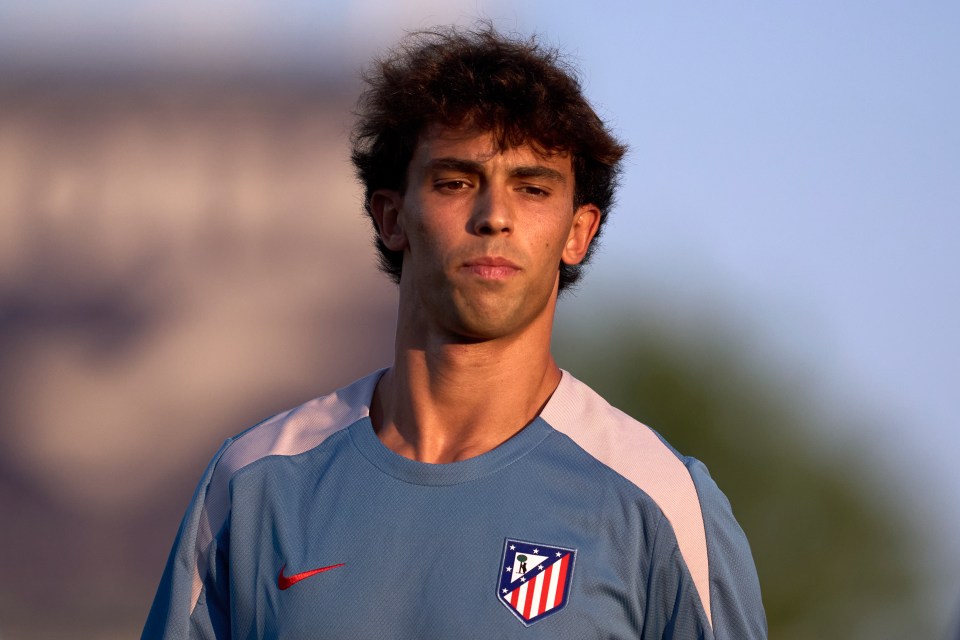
{"type": "Point", "coordinates": [192, 601]}
{"type": "Point", "coordinates": [672, 609]}
{"type": "Point", "coordinates": [736, 606]}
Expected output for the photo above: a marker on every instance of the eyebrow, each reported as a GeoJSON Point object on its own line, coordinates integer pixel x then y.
{"type": "Point", "coordinates": [473, 167]}
{"type": "Point", "coordinates": [454, 164]}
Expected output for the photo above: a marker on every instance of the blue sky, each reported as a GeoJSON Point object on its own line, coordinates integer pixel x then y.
{"type": "Point", "coordinates": [795, 168]}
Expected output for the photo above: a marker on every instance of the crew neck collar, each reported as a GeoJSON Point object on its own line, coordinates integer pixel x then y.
{"type": "Point", "coordinates": [425, 473]}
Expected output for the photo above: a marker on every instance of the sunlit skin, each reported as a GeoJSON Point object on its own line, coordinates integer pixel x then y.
{"type": "Point", "coordinates": [483, 233]}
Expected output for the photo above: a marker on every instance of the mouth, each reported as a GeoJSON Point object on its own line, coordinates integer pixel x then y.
{"type": "Point", "coordinates": [491, 267]}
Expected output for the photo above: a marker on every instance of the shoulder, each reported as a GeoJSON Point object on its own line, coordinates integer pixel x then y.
{"type": "Point", "coordinates": [286, 434]}
{"type": "Point", "coordinates": [301, 428]}
{"type": "Point", "coordinates": [680, 486]}
{"type": "Point", "coordinates": [630, 448]}
{"type": "Point", "coordinates": [188, 571]}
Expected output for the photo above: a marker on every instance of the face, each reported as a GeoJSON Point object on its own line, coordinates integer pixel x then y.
{"type": "Point", "coordinates": [483, 233]}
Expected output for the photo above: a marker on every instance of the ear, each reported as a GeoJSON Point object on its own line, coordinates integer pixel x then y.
{"type": "Point", "coordinates": [586, 221]}
{"type": "Point", "coordinates": [385, 205]}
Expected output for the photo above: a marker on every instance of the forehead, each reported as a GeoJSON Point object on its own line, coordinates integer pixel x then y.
{"type": "Point", "coordinates": [480, 146]}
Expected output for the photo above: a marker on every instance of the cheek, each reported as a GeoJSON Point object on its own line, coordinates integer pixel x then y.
{"type": "Point", "coordinates": [553, 240]}
{"type": "Point", "coordinates": [429, 223]}
{"type": "Point", "coordinates": [427, 242]}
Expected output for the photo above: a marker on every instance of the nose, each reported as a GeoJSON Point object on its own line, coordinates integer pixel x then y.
{"type": "Point", "coordinates": [493, 213]}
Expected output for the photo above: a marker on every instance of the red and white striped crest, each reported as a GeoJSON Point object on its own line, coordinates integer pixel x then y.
{"type": "Point", "coordinates": [535, 579]}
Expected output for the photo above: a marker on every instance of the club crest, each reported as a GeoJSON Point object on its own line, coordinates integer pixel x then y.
{"type": "Point", "coordinates": [534, 579]}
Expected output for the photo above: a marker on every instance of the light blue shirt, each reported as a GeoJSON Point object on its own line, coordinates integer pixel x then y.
{"type": "Point", "coordinates": [306, 526]}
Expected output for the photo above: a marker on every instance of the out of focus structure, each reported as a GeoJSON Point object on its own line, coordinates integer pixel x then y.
{"type": "Point", "coordinates": [181, 256]}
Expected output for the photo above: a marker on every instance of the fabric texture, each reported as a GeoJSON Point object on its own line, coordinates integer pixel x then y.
{"type": "Point", "coordinates": [585, 524]}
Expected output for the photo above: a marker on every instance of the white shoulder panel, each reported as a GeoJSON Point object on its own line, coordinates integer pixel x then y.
{"type": "Point", "coordinates": [635, 452]}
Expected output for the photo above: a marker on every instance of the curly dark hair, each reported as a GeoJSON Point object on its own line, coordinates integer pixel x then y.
{"type": "Point", "coordinates": [518, 89]}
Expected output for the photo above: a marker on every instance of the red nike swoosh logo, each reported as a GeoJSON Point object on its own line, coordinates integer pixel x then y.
{"type": "Point", "coordinates": [285, 582]}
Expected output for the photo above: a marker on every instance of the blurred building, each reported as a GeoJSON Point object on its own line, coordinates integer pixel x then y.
{"type": "Point", "coordinates": [179, 258]}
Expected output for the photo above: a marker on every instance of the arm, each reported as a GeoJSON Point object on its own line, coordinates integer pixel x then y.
{"type": "Point", "coordinates": [673, 608]}
{"type": "Point", "coordinates": [735, 603]}
{"type": "Point", "coordinates": [192, 600]}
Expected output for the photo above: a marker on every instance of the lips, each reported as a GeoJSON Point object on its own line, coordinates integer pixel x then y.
{"type": "Point", "coordinates": [491, 267]}
{"type": "Point", "coordinates": [491, 261]}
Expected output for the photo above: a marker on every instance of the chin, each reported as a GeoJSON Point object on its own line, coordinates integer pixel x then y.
{"type": "Point", "coordinates": [474, 332]}
{"type": "Point", "coordinates": [479, 318]}
{"type": "Point", "coordinates": [475, 327]}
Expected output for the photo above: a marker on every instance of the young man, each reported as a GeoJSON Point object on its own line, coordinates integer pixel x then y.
{"type": "Point", "coordinates": [473, 489]}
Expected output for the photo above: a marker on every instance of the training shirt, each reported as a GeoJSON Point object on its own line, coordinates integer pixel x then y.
{"type": "Point", "coordinates": [585, 524]}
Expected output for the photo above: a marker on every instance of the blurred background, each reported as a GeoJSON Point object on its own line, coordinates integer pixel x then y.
{"type": "Point", "coordinates": [183, 253]}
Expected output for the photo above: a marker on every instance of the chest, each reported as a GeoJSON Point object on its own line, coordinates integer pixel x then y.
{"type": "Point", "coordinates": [381, 559]}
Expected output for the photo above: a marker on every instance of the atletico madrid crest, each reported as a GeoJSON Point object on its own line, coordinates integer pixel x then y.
{"type": "Point", "coordinates": [535, 579]}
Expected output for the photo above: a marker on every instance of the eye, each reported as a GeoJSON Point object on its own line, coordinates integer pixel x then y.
{"type": "Point", "coordinates": [533, 190]}
{"type": "Point", "coordinates": [451, 185]}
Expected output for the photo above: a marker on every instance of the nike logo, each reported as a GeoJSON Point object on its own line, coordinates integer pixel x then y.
{"type": "Point", "coordinates": [285, 582]}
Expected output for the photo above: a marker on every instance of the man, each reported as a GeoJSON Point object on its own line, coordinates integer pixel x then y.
{"type": "Point", "coordinates": [473, 489]}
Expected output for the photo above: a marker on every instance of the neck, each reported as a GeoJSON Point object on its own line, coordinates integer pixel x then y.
{"type": "Point", "coordinates": [446, 400]}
